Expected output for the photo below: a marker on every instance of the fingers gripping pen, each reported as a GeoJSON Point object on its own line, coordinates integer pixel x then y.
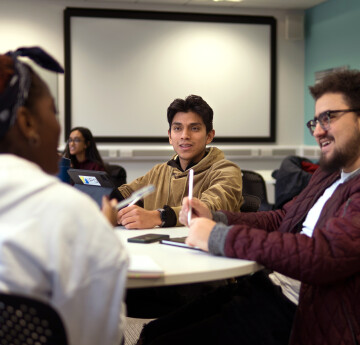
{"type": "Point", "coordinates": [136, 196]}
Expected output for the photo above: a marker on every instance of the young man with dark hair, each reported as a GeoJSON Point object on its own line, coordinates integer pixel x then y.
{"type": "Point", "coordinates": [217, 181]}
{"type": "Point", "coordinates": [309, 293]}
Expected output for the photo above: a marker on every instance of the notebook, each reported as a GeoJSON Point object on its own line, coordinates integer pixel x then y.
{"type": "Point", "coordinates": [94, 183]}
{"type": "Point", "coordinates": [178, 242]}
{"type": "Point", "coordinates": [143, 266]}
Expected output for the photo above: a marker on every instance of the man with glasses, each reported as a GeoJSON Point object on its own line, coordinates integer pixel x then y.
{"type": "Point", "coordinates": [310, 292]}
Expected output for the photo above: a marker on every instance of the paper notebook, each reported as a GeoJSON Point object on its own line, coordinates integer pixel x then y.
{"type": "Point", "coordinates": [178, 242]}
{"type": "Point", "coordinates": [143, 266]}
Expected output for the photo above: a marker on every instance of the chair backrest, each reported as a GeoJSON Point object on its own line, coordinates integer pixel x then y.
{"type": "Point", "coordinates": [117, 174]}
{"type": "Point", "coordinates": [251, 203]}
{"type": "Point", "coordinates": [24, 320]}
{"type": "Point", "coordinates": [254, 184]}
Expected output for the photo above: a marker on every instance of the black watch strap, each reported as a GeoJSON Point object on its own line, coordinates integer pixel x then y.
{"type": "Point", "coordinates": [167, 216]}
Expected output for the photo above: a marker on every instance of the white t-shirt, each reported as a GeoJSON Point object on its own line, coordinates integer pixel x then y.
{"type": "Point", "coordinates": [291, 287]}
{"type": "Point", "coordinates": [55, 245]}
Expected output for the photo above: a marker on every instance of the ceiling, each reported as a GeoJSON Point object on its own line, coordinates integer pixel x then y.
{"type": "Point", "coordinates": [270, 4]}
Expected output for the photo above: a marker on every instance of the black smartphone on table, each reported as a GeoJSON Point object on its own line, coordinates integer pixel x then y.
{"type": "Point", "coordinates": [148, 238]}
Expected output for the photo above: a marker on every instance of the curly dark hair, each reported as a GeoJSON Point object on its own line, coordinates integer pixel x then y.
{"type": "Point", "coordinates": [346, 82]}
{"type": "Point", "coordinates": [191, 103]}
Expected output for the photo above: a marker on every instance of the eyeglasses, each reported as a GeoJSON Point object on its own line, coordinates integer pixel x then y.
{"type": "Point", "coordinates": [75, 140]}
{"type": "Point", "coordinates": [324, 119]}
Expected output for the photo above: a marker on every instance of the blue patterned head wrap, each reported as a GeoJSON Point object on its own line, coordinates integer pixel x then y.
{"type": "Point", "coordinates": [17, 89]}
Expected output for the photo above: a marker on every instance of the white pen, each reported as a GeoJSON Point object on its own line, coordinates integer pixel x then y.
{"type": "Point", "coordinates": [136, 196]}
{"type": "Point", "coordinates": [191, 182]}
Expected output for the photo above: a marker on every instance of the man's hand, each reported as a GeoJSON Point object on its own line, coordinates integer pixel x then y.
{"type": "Point", "coordinates": [200, 229]}
{"type": "Point", "coordinates": [198, 209]}
{"type": "Point", "coordinates": [108, 208]}
{"type": "Point", "coordinates": [135, 217]}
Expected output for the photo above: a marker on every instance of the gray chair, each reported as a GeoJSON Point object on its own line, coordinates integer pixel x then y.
{"type": "Point", "coordinates": [24, 320]}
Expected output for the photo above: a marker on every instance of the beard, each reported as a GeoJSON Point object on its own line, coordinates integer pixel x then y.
{"type": "Point", "coordinates": [342, 157]}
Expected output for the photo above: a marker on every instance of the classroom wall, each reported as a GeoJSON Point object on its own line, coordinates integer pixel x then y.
{"type": "Point", "coordinates": [331, 40]}
{"type": "Point", "coordinates": [40, 22]}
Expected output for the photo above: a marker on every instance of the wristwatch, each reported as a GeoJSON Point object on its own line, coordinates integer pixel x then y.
{"type": "Point", "coordinates": [162, 216]}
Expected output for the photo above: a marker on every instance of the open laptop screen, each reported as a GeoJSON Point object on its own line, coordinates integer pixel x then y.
{"type": "Point", "coordinates": [92, 182]}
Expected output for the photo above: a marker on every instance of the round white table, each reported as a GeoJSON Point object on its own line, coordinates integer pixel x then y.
{"type": "Point", "coordinates": [181, 265]}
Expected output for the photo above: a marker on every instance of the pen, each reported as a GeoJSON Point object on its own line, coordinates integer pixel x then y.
{"type": "Point", "coordinates": [191, 182]}
{"type": "Point", "coordinates": [136, 196]}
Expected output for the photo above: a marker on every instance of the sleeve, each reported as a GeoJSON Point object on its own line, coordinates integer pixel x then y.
{"type": "Point", "coordinates": [225, 188]}
{"type": "Point", "coordinates": [217, 239]}
{"type": "Point", "coordinates": [332, 254]}
{"type": "Point", "coordinates": [127, 189]}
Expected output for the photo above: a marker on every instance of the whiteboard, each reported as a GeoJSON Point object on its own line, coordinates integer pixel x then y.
{"type": "Point", "coordinates": [124, 68]}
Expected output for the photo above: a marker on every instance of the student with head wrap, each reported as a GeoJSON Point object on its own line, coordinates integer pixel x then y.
{"type": "Point", "coordinates": [55, 245]}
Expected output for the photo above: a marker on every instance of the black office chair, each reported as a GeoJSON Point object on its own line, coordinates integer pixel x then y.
{"type": "Point", "coordinates": [24, 320]}
{"type": "Point", "coordinates": [254, 184]}
{"type": "Point", "coordinates": [117, 174]}
{"type": "Point", "coordinates": [251, 203]}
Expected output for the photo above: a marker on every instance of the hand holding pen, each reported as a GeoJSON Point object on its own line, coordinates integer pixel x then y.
{"type": "Point", "coordinates": [136, 196]}
{"type": "Point", "coordinates": [132, 216]}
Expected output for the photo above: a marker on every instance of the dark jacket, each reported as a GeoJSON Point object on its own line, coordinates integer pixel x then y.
{"type": "Point", "coordinates": [291, 179]}
{"type": "Point", "coordinates": [327, 264]}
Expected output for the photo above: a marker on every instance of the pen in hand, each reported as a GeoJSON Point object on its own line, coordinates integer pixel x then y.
{"type": "Point", "coordinates": [191, 182]}
{"type": "Point", "coordinates": [136, 196]}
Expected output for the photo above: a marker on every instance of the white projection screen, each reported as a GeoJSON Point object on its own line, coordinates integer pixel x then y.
{"type": "Point", "coordinates": [124, 68]}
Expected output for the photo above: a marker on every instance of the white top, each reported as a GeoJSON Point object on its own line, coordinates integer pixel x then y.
{"type": "Point", "coordinates": [55, 245]}
{"type": "Point", "coordinates": [291, 287]}
{"type": "Point", "coordinates": [181, 265]}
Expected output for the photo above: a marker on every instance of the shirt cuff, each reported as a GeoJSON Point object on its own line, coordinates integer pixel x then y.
{"type": "Point", "coordinates": [217, 239]}
{"type": "Point", "coordinates": [219, 216]}
{"type": "Point", "coordinates": [170, 218]}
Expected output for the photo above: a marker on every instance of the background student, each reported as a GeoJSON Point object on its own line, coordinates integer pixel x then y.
{"type": "Point", "coordinates": [217, 181]}
{"type": "Point", "coordinates": [55, 244]}
{"type": "Point", "coordinates": [82, 151]}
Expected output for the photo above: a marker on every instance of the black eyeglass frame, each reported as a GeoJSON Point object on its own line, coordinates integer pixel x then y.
{"type": "Point", "coordinates": [325, 117]}
{"type": "Point", "coordinates": [75, 140]}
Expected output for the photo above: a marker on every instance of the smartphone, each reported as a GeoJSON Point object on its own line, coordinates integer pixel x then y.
{"type": "Point", "coordinates": [148, 238]}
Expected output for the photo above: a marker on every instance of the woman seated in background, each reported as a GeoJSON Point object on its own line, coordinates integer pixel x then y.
{"type": "Point", "coordinates": [82, 151]}
{"type": "Point", "coordinates": [55, 244]}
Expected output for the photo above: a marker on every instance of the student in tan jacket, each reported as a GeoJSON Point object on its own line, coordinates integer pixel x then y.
{"type": "Point", "coordinates": [217, 181]}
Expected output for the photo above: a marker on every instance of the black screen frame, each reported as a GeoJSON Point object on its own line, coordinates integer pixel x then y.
{"type": "Point", "coordinates": [175, 16]}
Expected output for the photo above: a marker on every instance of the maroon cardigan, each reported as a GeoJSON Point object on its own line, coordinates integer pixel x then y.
{"type": "Point", "coordinates": [327, 264]}
{"type": "Point", "coordinates": [89, 165]}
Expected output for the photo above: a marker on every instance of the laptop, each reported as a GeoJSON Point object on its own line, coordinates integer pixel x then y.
{"type": "Point", "coordinates": [94, 183]}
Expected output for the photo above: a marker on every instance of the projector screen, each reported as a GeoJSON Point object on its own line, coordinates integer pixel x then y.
{"type": "Point", "coordinates": [124, 68]}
